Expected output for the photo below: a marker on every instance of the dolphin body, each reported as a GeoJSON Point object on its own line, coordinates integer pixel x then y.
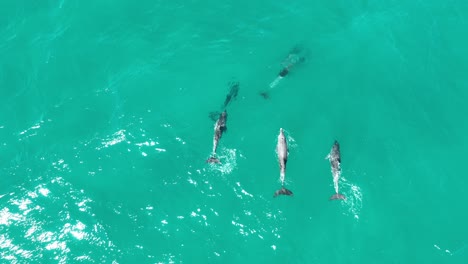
{"type": "Point", "coordinates": [282, 152]}
{"type": "Point", "coordinates": [295, 56]}
{"type": "Point", "coordinates": [232, 95]}
{"type": "Point", "coordinates": [219, 129]}
{"type": "Point", "coordinates": [233, 91]}
{"type": "Point", "coordinates": [335, 163]}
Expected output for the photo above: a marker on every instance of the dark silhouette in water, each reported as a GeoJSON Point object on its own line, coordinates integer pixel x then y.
{"type": "Point", "coordinates": [219, 129]}
{"type": "Point", "coordinates": [295, 56]}
{"type": "Point", "coordinates": [283, 191]}
{"type": "Point", "coordinates": [284, 72]}
{"type": "Point", "coordinates": [233, 91]}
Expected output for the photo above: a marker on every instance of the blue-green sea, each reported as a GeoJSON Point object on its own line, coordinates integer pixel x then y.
{"type": "Point", "coordinates": [105, 130]}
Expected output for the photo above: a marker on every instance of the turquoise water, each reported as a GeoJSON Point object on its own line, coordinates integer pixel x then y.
{"type": "Point", "coordinates": [104, 131]}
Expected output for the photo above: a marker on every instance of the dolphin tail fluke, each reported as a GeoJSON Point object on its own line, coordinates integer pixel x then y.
{"type": "Point", "coordinates": [283, 191]}
{"type": "Point", "coordinates": [338, 196]}
{"type": "Point", "coordinates": [213, 160]}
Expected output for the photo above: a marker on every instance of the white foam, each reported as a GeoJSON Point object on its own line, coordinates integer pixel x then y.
{"type": "Point", "coordinates": [116, 138]}
{"type": "Point", "coordinates": [275, 82]}
{"type": "Point", "coordinates": [354, 197]}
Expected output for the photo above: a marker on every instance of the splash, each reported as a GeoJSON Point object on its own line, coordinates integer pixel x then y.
{"type": "Point", "coordinates": [227, 157]}
{"type": "Point", "coordinates": [353, 202]}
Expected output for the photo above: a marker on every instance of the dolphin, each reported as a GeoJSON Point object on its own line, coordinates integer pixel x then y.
{"type": "Point", "coordinates": [295, 56]}
{"type": "Point", "coordinates": [282, 152]}
{"type": "Point", "coordinates": [335, 163]}
{"type": "Point", "coordinates": [233, 91]}
{"type": "Point", "coordinates": [219, 129]}
{"type": "Point", "coordinates": [292, 59]}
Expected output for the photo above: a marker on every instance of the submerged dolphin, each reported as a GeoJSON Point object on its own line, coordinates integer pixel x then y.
{"type": "Point", "coordinates": [294, 57]}
{"type": "Point", "coordinates": [219, 128]}
{"type": "Point", "coordinates": [282, 152]}
{"type": "Point", "coordinates": [233, 91]}
{"type": "Point", "coordinates": [335, 163]}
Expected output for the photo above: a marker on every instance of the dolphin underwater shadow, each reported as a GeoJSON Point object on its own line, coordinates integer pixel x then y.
{"type": "Point", "coordinates": [231, 96]}
{"type": "Point", "coordinates": [296, 55]}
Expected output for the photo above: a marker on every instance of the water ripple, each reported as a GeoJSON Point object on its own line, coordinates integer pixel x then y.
{"type": "Point", "coordinates": [29, 215]}
{"type": "Point", "coordinates": [353, 202]}
{"type": "Point", "coordinates": [114, 139]}
{"type": "Point", "coordinates": [30, 132]}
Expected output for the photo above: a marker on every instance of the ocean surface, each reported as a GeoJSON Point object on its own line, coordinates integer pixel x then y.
{"type": "Point", "coordinates": [105, 131]}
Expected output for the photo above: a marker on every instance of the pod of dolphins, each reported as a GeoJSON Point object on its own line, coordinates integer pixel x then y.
{"type": "Point", "coordinates": [281, 146]}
